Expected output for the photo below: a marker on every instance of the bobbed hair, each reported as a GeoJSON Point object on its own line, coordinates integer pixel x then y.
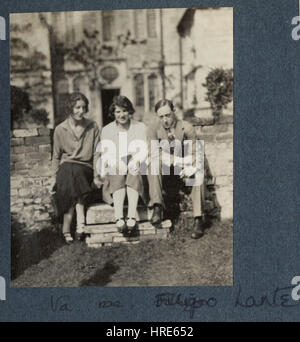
{"type": "Point", "coordinates": [72, 99]}
{"type": "Point", "coordinates": [123, 102]}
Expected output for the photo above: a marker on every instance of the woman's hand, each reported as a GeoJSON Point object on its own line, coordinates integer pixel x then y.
{"type": "Point", "coordinates": [52, 183]}
{"type": "Point", "coordinates": [134, 167]}
{"type": "Point", "coordinates": [98, 182]}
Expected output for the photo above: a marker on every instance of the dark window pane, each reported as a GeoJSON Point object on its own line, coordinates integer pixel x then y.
{"type": "Point", "coordinates": [139, 90]}
{"type": "Point", "coordinates": [61, 98]}
{"type": "Point", "coordinates": [152, 88]}
{"type": "Point", "coordinates": [108, 25]}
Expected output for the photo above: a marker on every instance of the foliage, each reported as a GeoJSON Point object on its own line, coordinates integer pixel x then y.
{"type": "Point", "coordinates": [90, 53]}
{"type": "Point", "coordinates": [22, 58]}
{"type": "Point", "coordinates": [19, 104]}
{"type": "Point", "coordinates": [39, 116]}
{"type": "Point", "coordinates": [22, 112]}
{"type": "Point", "coordinates": [219, 84]}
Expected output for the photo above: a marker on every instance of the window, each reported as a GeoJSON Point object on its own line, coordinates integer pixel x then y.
{"type": "Point", "coordinates": [108, 25]}
{"type": "Point", "coordinates": [152, 81]}
{"type": "Point", "coordinates": [151, 23]}
{"type": "Point", "coordinates": [79, 84]}
{"type": "Point", "coordinates": [139, 24]}
{"type": "Point", "coordinates": [70, 32]}
{"type": "Point", "coordinates": [139, 90]}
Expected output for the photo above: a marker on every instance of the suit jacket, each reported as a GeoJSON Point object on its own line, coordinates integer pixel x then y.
{"type": "Point", "coordinates": [183, 131]}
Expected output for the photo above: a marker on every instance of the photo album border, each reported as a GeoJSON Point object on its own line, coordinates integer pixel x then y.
{"type": "Point", "coordinates": [149, 165]}
{"type": "Point", "coordinates": [109, 105]}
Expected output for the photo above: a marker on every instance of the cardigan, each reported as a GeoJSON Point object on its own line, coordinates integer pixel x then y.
{"type": "Point", "coordinates": [117, 146]}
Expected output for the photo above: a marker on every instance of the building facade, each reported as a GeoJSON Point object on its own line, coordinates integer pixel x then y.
{"type": "Point", "coordinates": [143, 54]}
{"type": "Point", "coordinates": [206, 42]}
{"type": "Point", "coordinates": [133, 57]}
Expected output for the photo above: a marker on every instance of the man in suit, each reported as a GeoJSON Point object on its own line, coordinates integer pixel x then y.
{"type": "Point", "coordinates": [170, 136]}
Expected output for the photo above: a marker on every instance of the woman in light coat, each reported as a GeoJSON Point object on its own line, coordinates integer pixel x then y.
{"type": "Point", "coordinates": [124, 151]}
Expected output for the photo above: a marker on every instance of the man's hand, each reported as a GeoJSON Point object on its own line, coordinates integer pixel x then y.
{"type": "Point", "coordinates": [187, 172]}
{"type": "Point", "coordinates": [167, 158]}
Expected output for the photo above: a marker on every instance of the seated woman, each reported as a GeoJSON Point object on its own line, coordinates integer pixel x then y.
{"type": "Point", "coordinates": [123, 151]}
{"type": "Point", "coordinates": [74, 157]}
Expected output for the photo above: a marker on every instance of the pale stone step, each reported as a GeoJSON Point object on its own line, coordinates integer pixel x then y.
{"type": "Point", "coordinates": [111, 227]}
{"type": "Point", "coordinates": [116, 237]}
{"type": "Point", "coordinates": [108, 239]}
{"type": "Point", "coordinates": [104, 213]}
{"type": "Point", "coordinates": [99, 245]}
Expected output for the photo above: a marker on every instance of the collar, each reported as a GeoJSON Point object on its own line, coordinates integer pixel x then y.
{"type": "Point", "coordinates": [174, 124]}
{"type": "Point", "coordinates": [67, 125]}
{"type": "Point", "coordinates": [177, 130]}
{"type": "Point", "coordinates": [162, 129]}
{"type": "Point", "coordinates": [116, 125]}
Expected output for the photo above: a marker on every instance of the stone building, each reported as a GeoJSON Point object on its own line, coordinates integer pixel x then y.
{"type": "Point", "coordinates": [134, 49]}
{"type": "Point", "coordinates": [143, 54]}
{"type": "Point", "coordinates": [206, 42]}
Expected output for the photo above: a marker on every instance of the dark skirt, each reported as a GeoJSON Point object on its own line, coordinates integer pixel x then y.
{"type": "Point", "coordinates": [73, 181]}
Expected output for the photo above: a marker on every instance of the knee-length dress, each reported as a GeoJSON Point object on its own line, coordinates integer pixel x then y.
{"type": "Point", "coordinates": [73, 163]}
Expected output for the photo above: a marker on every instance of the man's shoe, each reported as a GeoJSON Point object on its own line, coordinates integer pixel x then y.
{"type": "Point", "coordinates": [198, 228]}
{"type": "Point", "coordinates": [157, 215]}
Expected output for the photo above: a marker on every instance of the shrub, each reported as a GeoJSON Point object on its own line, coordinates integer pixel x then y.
{"type": "Point", "coordinates": [219, 84]}
{"type": "Point", "coordinates": [22, 112]}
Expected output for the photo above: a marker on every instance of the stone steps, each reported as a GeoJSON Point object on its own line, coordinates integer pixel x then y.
{"type": "Point", "coordinates": [107, 234]}
{"type": "Point", "coordinates": [102, 231]}
{"type": "Point", "coordinates": [104, 213]}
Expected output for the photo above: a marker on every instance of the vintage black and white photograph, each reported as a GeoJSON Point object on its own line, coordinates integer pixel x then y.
{"type": "Point", "coordinates": [122, 148]}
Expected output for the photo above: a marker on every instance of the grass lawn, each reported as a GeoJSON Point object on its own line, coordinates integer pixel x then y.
{"type": "Point", "coordinates": [178, 261]}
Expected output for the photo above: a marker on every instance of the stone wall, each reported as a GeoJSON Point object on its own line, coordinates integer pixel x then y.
{"type": "Point", "coordinates": [31, 169]}
{"type": "Point", "coordinates": [30, 176]}
{"type": "Point", "coordinates": [218, 138]}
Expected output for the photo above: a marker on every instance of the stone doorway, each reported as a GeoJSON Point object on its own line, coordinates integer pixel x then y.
{"type": "Point", "coordinates": [107, 96]}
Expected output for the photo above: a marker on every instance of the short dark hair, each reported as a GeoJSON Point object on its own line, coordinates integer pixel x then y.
{"type": "Point", "coordinates": [123, 102]}
{"type": "Point", "coordinates": [162, 103]}
{"type": "Point", "coordinates": [72, 99]}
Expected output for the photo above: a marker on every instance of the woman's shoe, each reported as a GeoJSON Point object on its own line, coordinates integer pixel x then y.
{"type": "Point", "coordinates": [80, 232]}
{"type": "Point", "coordinates": [68, 238]}
{"type": "Point", "coordinates": [121, 225]}
{"type": "Point", "coordinates": [131, 225]}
